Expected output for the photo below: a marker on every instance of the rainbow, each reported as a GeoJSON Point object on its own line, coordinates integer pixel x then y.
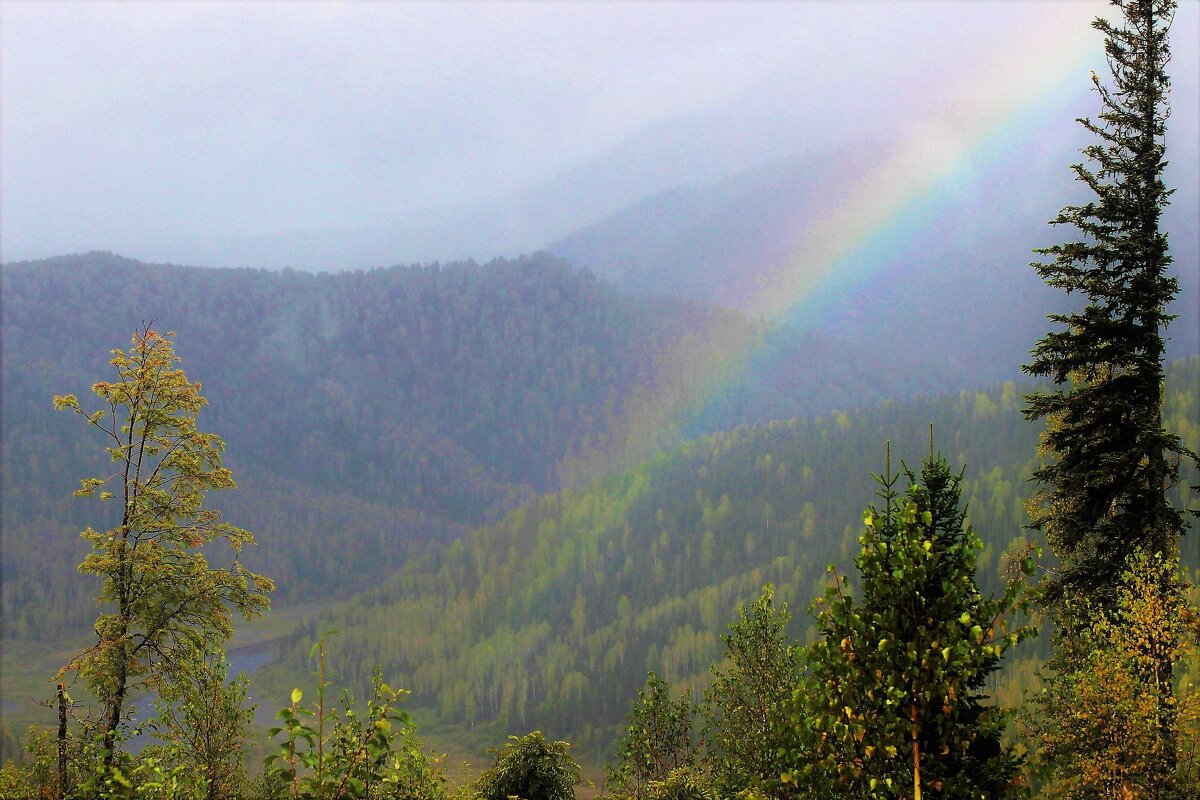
{"type": "Point", "coordinates": [1028, 79]}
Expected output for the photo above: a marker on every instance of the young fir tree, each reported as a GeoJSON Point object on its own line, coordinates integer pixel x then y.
{"type": "Point", "coordinates": [760, 671]}
{"type": "Point", "coordinates": [658, 741]}
{"type": "Point", "coordinates": [1104, 491]}
{"type": "Point", "coordinates": [164, 602]}
{"type": "Point", "coordinates": [892, 705]}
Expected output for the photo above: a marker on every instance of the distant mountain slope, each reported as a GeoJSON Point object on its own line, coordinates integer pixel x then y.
{"type": "Point", "coordinates": [945, 281]}
{"type": "Point", "coordinates": [371, 416]}
{"type": "Point", "coordinates": [365, 413]}
{"type": "Point", "coordinates": [551, 618]}
{"type": "Point", "coordinates": [700, 147]}
{"type": "Point", "coordinates": [716, 242]}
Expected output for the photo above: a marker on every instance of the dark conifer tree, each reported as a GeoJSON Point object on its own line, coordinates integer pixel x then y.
{"type": "Point", "coordinates": [1104, 494]}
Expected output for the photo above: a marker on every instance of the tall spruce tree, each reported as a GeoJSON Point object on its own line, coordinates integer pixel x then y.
{"type": "Point", "coordinates": [1104, 493]}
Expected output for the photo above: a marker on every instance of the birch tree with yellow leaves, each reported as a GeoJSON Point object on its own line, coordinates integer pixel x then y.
{"type": "Point", "coordinates": [161, 600]}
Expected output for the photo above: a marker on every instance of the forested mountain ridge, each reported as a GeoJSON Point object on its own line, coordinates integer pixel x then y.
{"type": "Point", "coordinates": [454, 350]}
{"type": "Point", "coordinates": [373, 417]}
{"type": "Point", "coordinates": [364, 414]}
{"type": "Point", "coordinates": [551, 618]}
{"type": "Point", "coordinates": [370, 415]}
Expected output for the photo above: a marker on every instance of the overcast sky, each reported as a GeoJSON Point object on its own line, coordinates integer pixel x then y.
{"type": "Point", "coordinates": [163, 119]}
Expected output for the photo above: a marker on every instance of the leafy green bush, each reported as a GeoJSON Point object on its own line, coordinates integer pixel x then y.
{"type": "Point", "coordinates": [682, 784]}
{"type": "Point", "coordinates": [530, 768]}
{"type": "Point", "coordinates": [658, 739]}
{"type": "Point", "coordinates": [342, 757]}
{"type": "Point", "coordinates": [372, 757]}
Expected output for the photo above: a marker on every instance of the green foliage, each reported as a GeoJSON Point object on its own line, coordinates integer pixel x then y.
{"type": "Point", "coordinates": [38, 775]}
{"type": "Point", "coordinates": [1103, 723]}
{"type": "Point", "coordinates": [553, 616]}
{"type": "Point", "coordinates": [530, 768]}
{"type": "Point", "coordinates": [1104, 493]}
{"type": "Point", "coordinates": [892, 704]}
{"type": "Point", "coordinates": [15, 783]}
{"type": "Point", "coordinates": [153, 775]}
{"type": "Point", "coordinates": [202, 721]}
{"type": "Point", "coordinates": [148, 776]}
{"type": "Point", "coordinates": [658, 740]}
{"type": "Point", "coordinates": [377, 758]}
{"type": "Point", "coordinates": [343, 757]}
{"type": "Point", "coordinates": [166, 602]}
{"type": "Point", "coordinates": [398, 408]}
{"type": "Point", "coordinates": [683, 784]}
{"type": "Point", "coordinates": [410, 773]}
{"type": "Point", "coordinates": [761, 669]}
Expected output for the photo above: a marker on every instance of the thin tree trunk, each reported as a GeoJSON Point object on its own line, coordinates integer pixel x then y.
{"type": "Point", "coordinates": [916, 756]}
{"type": "Point", "coordinates": [62, 741]}
{"type": "Point", "coordinates": [114, 716]}
{"type": "Point", "coordinates": [124, 569]}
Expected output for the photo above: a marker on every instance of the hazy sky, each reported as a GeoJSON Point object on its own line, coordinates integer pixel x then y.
{"type": "Point", "coordinates": [157, 119]}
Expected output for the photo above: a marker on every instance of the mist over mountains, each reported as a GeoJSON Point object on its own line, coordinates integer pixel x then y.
{"type": "Point", "coordinates": [711, 208]}
{"type": "Point", "coordinates": [532, 364]}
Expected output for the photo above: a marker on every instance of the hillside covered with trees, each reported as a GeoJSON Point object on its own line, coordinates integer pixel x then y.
{"type": "Point", "coordinates": [380, 414]}
{"type": "Point", "coordinates": [551, 618]}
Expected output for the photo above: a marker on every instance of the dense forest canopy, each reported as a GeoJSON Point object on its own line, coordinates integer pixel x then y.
{"type": "Point", "coordinates": [552, 617]}
{"type": "Point", "coordinates": [384, 412]}
{"type": "Point", "coordinates": [564, 604]}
